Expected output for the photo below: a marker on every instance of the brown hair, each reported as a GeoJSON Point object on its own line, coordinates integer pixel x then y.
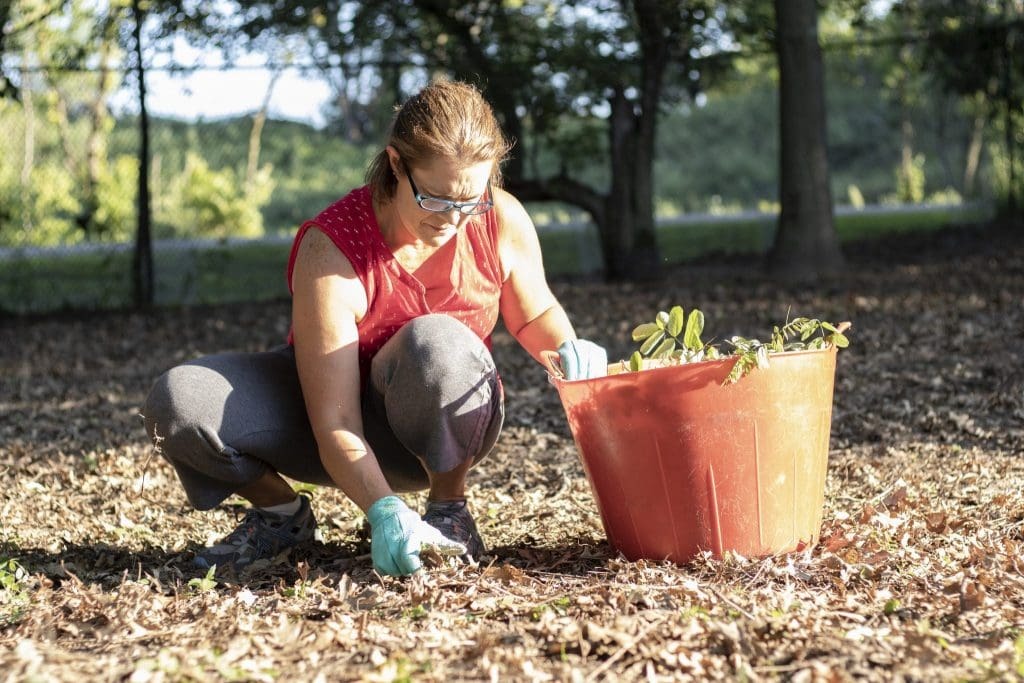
{"type": "Point", "coordinates": [448, 120]}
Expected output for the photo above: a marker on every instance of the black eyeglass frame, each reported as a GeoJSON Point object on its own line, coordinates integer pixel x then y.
{"type": "Point", "coordinates": [446, 205]}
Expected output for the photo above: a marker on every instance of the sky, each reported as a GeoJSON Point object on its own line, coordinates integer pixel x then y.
{"type": "Point", "coordinates": [218, 94]}
{"type": "Point", "coordinates": [211, 93]}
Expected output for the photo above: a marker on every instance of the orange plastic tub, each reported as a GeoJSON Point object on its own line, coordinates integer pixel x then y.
{"type": "Point", "coordinates": [680, 463]}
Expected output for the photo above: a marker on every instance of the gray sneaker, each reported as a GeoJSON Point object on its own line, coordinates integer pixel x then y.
{"type": "Point", "coordinates": [452, 518]}
{"type": "Point", "coordinates": [261, 536]}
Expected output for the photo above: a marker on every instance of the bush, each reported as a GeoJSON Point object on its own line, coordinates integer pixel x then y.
{"type": "Point", "coordinates": [216, 203]}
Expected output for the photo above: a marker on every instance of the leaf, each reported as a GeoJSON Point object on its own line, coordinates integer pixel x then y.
{"type": "Point", "coordinates": [651, 342]}
{"type": "Point", "coordinates": [636, 362]}
{"type": "Point", "coordinates": [744, 363]}
{"type": "Point", "coordinates": [644, 331]}
{"type": "Point", "coordinates": [694, 328]}
{"type": "Point", "coordinates": [205, 583]}
{"type": "Point", "coordinates": [665, 348]}
{"type": "Point", "coordinates": [675, 321]}
{"type": "Point", "coordinates": [838, 340]}
{"type": "Point", "coordinates": [972, 595]}
{"type": "Point", "coordinates": [741, 343]}
{"type": "Point", "coordinates": [662, 319]}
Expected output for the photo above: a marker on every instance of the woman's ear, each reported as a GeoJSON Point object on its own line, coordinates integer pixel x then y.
{"type": "Point", "coordinates": [394, 160]}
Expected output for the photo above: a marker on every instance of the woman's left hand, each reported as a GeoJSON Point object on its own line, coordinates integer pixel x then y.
{"type": "Point", "coordinates": [582, 359]}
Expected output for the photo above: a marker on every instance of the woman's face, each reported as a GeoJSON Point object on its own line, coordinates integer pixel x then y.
{"type": "Point", "coordinates": [440, 179]}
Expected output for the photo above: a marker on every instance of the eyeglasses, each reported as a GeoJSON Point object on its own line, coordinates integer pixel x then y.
{"type": "Point", "coordinates": [438, 205]}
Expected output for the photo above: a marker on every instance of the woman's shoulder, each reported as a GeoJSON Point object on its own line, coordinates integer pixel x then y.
{"type": "Point", "coordinates": [355, 208]}
{"type": "Point", "coordinates": [511, 215]}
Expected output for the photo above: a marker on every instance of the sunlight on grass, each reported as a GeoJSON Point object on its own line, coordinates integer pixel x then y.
{"type": "Point", "coordinates": [235, 271]}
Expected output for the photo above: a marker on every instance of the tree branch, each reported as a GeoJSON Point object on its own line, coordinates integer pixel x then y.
{"type": "Point", "coordinates": [560, 188]}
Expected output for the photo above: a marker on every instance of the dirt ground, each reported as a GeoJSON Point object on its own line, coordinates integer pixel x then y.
{"type": "Point", "coordinates": [919, 573]}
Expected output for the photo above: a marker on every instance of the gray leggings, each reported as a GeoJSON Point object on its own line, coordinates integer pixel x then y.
{"type": "Point", "coordinates": [433, 401]}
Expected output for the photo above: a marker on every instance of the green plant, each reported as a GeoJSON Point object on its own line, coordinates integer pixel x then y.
{"type": "Point", "coordinates": [204, 583]}
{"type": "Point", "coordinates": [14, 598]}
{"type": "Point", "coordinates": [416, 612]}
{"type": "Point", "coordinates": [675, 339]}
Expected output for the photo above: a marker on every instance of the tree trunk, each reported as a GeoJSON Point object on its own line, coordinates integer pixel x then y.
{"type": "Point", "coordinates": [142, 261]}
{"type": "Point", "coordinates": [1009, 106]}
{"type": "Point", "coordinates": [806, 244]}
{"type": "Point", "coordinates": [626, 226]}
{"type": "Point", "coordinates": [259, 119]}
{"type": "Point", "coordinates": [7, 89]}
{"type": "Point", "coordinates": [907, 187]}
{"type": "Point", "coordinates": [96, 143]}
{"type": "Point", "coordinates": [625, 215]}
{"type": "Point", "coordinates": [974, 148]}
{"type": "Point", "coordinates": [28, 159]}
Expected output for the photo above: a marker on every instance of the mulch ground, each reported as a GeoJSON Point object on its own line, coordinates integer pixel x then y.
{"type": "Point", "coordinates": [919, 573]}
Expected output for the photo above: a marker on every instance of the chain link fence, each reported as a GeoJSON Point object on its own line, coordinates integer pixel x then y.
{"type": "Point", "coordinates": [228, 192]}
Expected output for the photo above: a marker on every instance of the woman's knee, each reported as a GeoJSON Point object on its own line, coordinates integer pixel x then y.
{"type": "Point", "coordinates": [177, 412]}
{"type": "Point", "coordinates": [158, 408]}
{"type": "Point", "coordinates": [439, 391]}
{"type": "Point", "coordinates": [436, 349]}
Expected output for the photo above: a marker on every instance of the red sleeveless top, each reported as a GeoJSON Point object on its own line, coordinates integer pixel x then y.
{"type": "Point", "coordinates": [393, 295]}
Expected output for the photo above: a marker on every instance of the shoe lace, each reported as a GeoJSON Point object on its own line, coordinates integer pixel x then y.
{"type": "Point", "coordinates": [246, 529]}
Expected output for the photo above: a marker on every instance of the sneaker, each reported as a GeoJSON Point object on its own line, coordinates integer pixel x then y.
{"type": "Point", "coordinates": [452, 518]}
{"type": "Point", "coordinates": [261, 536]}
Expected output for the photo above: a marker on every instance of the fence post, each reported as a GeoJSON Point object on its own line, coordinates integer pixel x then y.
{"type": "Point", "coordinates": [142, 263]}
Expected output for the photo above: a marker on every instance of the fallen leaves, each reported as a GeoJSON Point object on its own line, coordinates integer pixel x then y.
{"type": "Point", "coordinates": [918, 574]}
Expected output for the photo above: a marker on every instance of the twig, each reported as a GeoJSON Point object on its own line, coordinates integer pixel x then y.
{"type": "Point", "coordinates": [732, 604]}
{"type": "Point", "coordinates": [624, 649]}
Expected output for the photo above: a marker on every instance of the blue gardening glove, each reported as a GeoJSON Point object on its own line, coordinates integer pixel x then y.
{"type": "Point", "coordinates": [399, 534]}
{"type": "Point", "coordinates": [582, 359]}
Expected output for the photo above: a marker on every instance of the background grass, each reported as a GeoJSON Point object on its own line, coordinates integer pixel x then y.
{"type": "Point", "coordinates": [569, 252]}
{"type": "Point", "coordinates": [237, 270]}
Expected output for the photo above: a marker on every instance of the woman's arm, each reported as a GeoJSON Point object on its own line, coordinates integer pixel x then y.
{"type": "Point", "coordinates": [327, 301]}
{"type": "Point", "coordinates": [529, 309]}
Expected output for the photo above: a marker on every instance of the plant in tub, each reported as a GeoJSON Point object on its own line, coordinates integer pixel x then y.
{"type": "Point", "coordinates": [675, 339]}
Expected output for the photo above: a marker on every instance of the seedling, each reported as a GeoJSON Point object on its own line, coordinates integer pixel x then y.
{"type": "Point", "coordinates": [675, 339]}
{"type": "Point", "coordinates": [14, 596]}
{"type": "Point", "coordinates": [204, 583]}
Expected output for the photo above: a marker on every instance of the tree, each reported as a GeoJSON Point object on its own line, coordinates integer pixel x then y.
{"type": "Point", "coordinates": [973, 46]}
{"type": "Point", "coordinates": [806, 244]}
{"type": "Point", "coordinates": [585, 78]}
{"type": "Point", "coordinates": [68, 55]}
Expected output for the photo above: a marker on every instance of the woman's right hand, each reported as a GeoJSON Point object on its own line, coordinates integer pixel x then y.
{"type": "Point", "coordinates": [399, 535]}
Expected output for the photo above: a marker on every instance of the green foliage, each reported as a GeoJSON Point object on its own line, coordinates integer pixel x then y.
{"type": "Point", "coordinates": [694, 161]}
{"type": "Point", "coordinates": [217, 203]}
{"type": "Point", "coordinates": [416, 612]}
{"type": "Point", "coordinates": [713, 153]}
{"type": "Point", "coordinates": [671, 339]}
{"type": "Point", "coordinates": [50, 208]}
{"type": "Point", "coordinates": [1008, 182]}
{"type": "Point", "coordinates": [116, 200]}
{"type": "Point", "coordinates": [659, 341]}
{"type": "Point", "coordinates": [910, 181]}
{"type": "Point", "coordinates": [14, 596]}
{"type": "Point", "coordinates": [1018, 655]}
{"type": "Point", "coordinates": [202, 584]}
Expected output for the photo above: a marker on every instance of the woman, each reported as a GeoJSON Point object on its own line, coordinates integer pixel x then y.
{"type": "Point", "coordinates": [387, 384]}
